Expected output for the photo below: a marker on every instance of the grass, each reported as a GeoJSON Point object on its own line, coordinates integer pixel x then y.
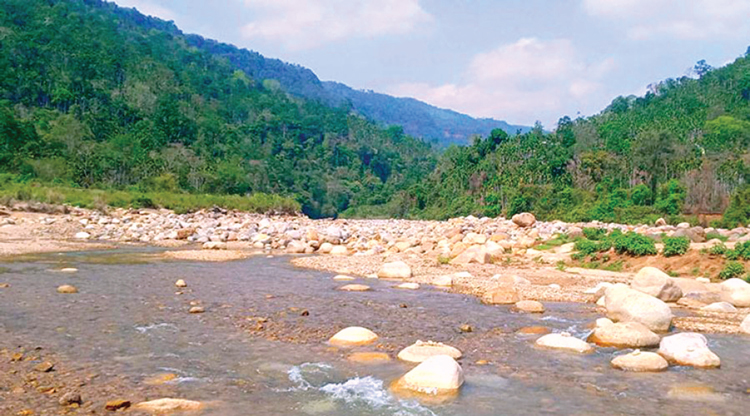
{"type": "Point", "coordinates": [556, 241]}
{"type": "Point", "coordinates": [717, 236]}
{"type": "Point", "coordinates": [179, 202]}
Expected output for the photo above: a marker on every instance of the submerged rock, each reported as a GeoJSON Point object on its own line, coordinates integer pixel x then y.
{"type": "Point", "coordinates": [67, 289]}
{"type": "Point", "coordinates": [369, 357]}
{"type": "Point", "coordinates": [342, 277]}
{"type": "Point", "coordinates": [625, 304]}
{"type": "Point", "coordinates": [436, 376]}
{"type": "Point", "coordinates": [689, 349]}
{"type": "Point", "coordinates": [640, 361]}
{"type": "Point", "coordinates": [408, 286]}
{"type": "Point", "coordinates": [353, 336]}
{"type": "Point", "coordinates": [355, 288]}
{"type": "Point", "coordinates": [566, 342]}
{"type": "Point", "coordinates": [421, 351]}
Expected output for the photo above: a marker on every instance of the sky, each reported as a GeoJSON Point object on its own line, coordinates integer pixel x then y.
{"type": "Point", "coordinates": [520, 61]}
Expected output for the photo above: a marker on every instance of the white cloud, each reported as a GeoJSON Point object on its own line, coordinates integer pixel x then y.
{"type": "Point", "coordinates": [302, 24]}
{"type": "Point", "coordinates": [682, 19]}
{"type": "Point", "coordinates": [521, 82]}
{"type": "Point", "coordinates": [149, 8]}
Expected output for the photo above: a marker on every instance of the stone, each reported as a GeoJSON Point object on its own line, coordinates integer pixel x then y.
{"type": "Point", "coordinates": [296, 247]}
{"type": "Point", "coordinates": [624, 335]}
{"type": "Point", "coordinates": [695, 393]}
{"type": "Point", "coordinates": [442, 281]}
{"type": "Point", "coordinates": [118, 404]}
{"type": "Point", "coordinates": [343, 277]}
{"type": "Point", "coordinates": [564, 341]}
{"type": "Point", "coordinates": [524, 219]}
{"type": "Point", "coordinates": [534, 330]}
{"type": "Point", "coordinates": [421, 351]}
{"type": "Point", "coordinates": [689, 349]}
{"type": "Point", "coordinates": [168, 405]}
{"type": "Point", "coordinates": [745, 325]}
{"type": "Point", "coordinates": [160, 379]}
{"type": "Point", "coordinates": [575, 232]}
{"type": "Point", "coordinates": [83, 235]}
{"type": "Point", "coordinates": [640, 361]}
{"type": "Point", "coordinates": [408, 286]}
{"type": "Point", "coordinates": [737, 292]}
{"type": "Point", "coordinates": [625, 304]}
{"type": "Point", "coordinates": [394, 270]}
{"type": "Point", "coordinates": [502, 295]}
{"type": "Point", "coordinates": [67, 289]}
{"type": "Point", "coordinates": [719, 307]}
{"type": "Point", "coordinates": [325, 248]}
{"type": "Point", "coordinates": [339, 251]}
{"type": "Point", "coordinates": [44, 367]}
{"type": "Point", "coordinates": [214, 245]}
{"type": "Point", "coordinates": [439, 375]}
{"type": "Point", "coordinates": [369, 357]}
{"type": "Point", "coordinates": [70, 398]}
{"type": "Point", "coordinates": [355, 288]}
{"type": "Point", "coordinates": [180, 283]}
{"type": "Point", "coordinates": [530, 306]}
{"type": "Point", "coordinates": [69, 270]}
{"type": "Point", "coordinates": [196, 309]}
{"type": "Point", "coordinates": [475, 254]}
{"type": "Point", "coordinates": [661, 222]}
{"type": "Point", "coordinates": [353, 336]}
{"type": "Point", "coordinates": [654, 282]}
{"type": "Point", "coordinates": [599, 289]}
{"type": "Point", "coordinates": [466, 328]}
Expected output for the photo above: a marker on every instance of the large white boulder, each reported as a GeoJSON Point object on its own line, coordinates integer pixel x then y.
{"type": "Point", "coordinates": [656, 283]}
{"type": "Point", "coordinates": [640, 361]}
{"type": "Point", "coordinates": [395, 270]}
{"type": "Point", "coordinates": [421, 351]}
{"type": "Point", "coordinates": [624, 335]}
{"type": "Point", "coordinates": [737, 292]}
{"type": "Point", "coordinates": [524, 219]}
{"type": "Point", "coordinates": [625, 304]}
{"type": "Point", "coordinates": [564, 341]}
{"type": "Point", "coordinates": [436, 376]}
{"type": "Point", "coordinates": [690, 349]}
{"type": "Point", "coordinates": [353, 336]}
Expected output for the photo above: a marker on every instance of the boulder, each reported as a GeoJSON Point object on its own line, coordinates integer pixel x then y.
{"type": "Point", "coordinates": [421, 351]}
{"type": "Point", "coordinates": [437, 375]}
{"type": "Point", "coordinates": [325, 248]}
{"type": "Point", "coordinates": [355, 288]}
{"type": "Point", "coordinates": [719, 307]}
{"type": "Point", "coordinates": [474, 254]}
{"type": "Point", "coordinates": [640, 361]}
{"type": "Point", "coordinates": [654, 282]}
{"type": "Point", "coordinates": [689, 349]}
{"type": "Point", "coordinates": [214, 245]}
{"type": "Point", "coordinates": [737, 292]}
{"type": "Point", "coordinates": [68, 270]}
{"type": "Point", "coordinates": [575, 232]}
{"type": "Point", "coordinates": [566, 342]}
{"type": "Point", "coordinates": [624, 335]}
{"type": "Point", "coordinates": [394, 270]}
{"type": "Point", "coordinates": [442, 281]}
{"type": "Point", "coordinates": [530, 306]}
{"type": "Point", "coordinates": [745, 326]}
{"type": "Point", "coordinates": [502, 295]}
{"type": "Point", "coordinates": [169, 405]}
{"type": "Point", "coordinates": [625, 305]}
{"type": "Point", "coordinates": [339, 251]}
{"type": "Point", "coordinates": [353, 336]}
{"type": "Point", "coordinates": [524, 219]}
{"type": "Point", "coordinates": [296, 247]}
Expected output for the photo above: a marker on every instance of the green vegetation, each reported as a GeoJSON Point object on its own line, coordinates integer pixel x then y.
{"type": "Point", "coordinates": [556, 241]}
{"type": "Point", "coordinates": [675, 246]}
{"type": "Point", "coordinates": [732, 269]}
{"type": "Point", "coordinates": [634, 244]}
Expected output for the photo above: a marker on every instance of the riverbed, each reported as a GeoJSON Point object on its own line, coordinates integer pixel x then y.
{"type": "Point", "coordinates": [260, 346]}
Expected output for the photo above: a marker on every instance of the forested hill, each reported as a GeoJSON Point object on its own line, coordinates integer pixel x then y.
{"type": "Point", "coordinates": [92, 95]}
{"type": "Point", "coordinates": [683, 148]}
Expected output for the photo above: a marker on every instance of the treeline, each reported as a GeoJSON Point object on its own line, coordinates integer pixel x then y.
{"type": "Point", "coordinates": [682, 149]}
{"type": "Point", "coordinates": [95, 96]}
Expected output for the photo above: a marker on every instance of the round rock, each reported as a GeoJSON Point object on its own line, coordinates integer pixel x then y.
{"type": "Point", "coordinates": [640, 361]}
{"type": "Point", "coordinates": [564, 341]}
{"type": "Point", "coordinates": [689, 349]}
{"type": "Point", "coordinates": [67, 289]}
{"type": "Point", "coordinates": [422, 351]}
{"type": "Point", "coordinates": [624, 335]}
{"type": "Point", "coordinates": [353, 336]}
{"type": "Point", "coordinates": [530, 306]}
{"type": "Point", "coordinates": [437, 375]}
{"type": "Point", "coordinates": [395, 270]}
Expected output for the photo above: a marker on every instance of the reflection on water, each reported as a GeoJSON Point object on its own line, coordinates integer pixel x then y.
{"type": "Point", "coordinates": [128, 321]}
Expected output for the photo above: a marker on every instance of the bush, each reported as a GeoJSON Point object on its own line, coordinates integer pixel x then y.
{"type": "Point", "coordinates": [634, 244]}
{"type": "Point", "coordinates": [586, 247]}
{"type": "Point", "coordinates": [718, 250]}
{"type": "Point", "coordinates": [676, 246]}
{"type": "Point", "coordinates": [732, 269]}
{"type": "Point", "coordinates": [594, 233]}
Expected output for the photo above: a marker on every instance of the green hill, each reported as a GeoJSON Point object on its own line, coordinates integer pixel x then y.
{"type": "Point", "coordinates": [97, 96]}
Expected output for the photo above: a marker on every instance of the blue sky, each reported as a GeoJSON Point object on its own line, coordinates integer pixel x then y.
{"type": "Point", "coordinates": [514, 60]}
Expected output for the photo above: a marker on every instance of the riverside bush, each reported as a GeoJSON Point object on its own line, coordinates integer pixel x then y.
{"type": "Point", "coordinates": [732, 269]}
{"type": "Point", "coordinates": [634, 244]}
{"type": "Point", "coordinates": [675, 246]}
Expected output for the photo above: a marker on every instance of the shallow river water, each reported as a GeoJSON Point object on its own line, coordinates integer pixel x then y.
{"type": "Point", "coordinates": [128, 321]}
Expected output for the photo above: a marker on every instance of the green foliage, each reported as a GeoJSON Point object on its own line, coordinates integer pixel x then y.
{"type": "Point", "coordinates": [718, 250]}
{"type": "Point", "coordinates": [716, 236]}
{"type": "Point", "coordinates": [634, 244]}
{"type": "Point", "coordinates": [732, 269]}
{"type": "Point", "coordinates": [738, 212]}
{"type": "Point", "coordinates": [594, 233]}
{"type": "Point", "coordinates": [675, 246]}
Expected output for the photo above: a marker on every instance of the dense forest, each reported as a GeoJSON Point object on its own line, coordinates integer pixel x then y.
{"type": "Point", "coordinates": [97, 96]}
{"type": "Point", "coordinates": [683, 148]}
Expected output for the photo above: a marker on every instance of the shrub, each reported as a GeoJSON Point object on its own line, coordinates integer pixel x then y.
{"type": "Point", "coordinates": [634, 244]}
{"type": "Point", "coordinates": [718, 250]}
{"type": "Point", "coordinates": [676, 246]}
{"type": "Point", "coordinates": [594, 233]}
{"type": "Point", "coordinates": [586, 247]}
{"type": "Point", "coordinates": [732, 269]}
{"type": "Point", "coordinates": [715, 236]}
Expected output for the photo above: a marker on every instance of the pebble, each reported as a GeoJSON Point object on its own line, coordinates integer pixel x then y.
{"type": "Point", "coordinates": [196, 309]}
{"type": "Point", "coordinates": [70, 398]}
{"type": "Point", "coordinates": [117, 404]}
{"type": "Point", "coordinates": [44, 367]}
{"type": "Point", "coordinates": [180, 283]}
{"type": "Point", "coordinates": [67, 289]}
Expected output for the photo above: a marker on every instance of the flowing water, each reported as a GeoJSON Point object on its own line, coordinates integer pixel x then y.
{"type": "Point", "coordinates": [128, 321]}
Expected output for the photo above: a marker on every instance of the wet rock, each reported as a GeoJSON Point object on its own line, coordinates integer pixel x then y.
{"type": "Point", "coordinates": [530, 306]}
{"type": "Point", "coordinates": [624, 335]}
{"type": "Point", "coordinates": [502, 295]}
{"type": "Point", "coordinates": [67, 289]}
{"type": "Point", "coordinates": [118, 404]}
{"type": "Point", "coordinates": [180, 283]}
{"type": "Point", "coordinates": [566, 342]}
{"type": "Point", "coordinates": [524, 219]}
{"type": "Point", "coordinates": [395, 270]}
{"type": "Point", "coordinates": [437, 375]}
{"type": "Point", "coordinates": [160, 379]}
{"type": "Point", "coordinates": [466, 328]}
{"type": "Point", "coordinates": [625, 304]}
{"type": "Point", "coordinates": [689, 349]}
{"type": "Point", "coordinates": [745, 325]}
{"type": "Point", "coordinates": [342, 277]}
{"type": "Point", "coordinates": [44, 367]}
{"type": "Point", "coordinates": [719, 307]}
{"type": "Point", "coordinates": [408, 286]}
{"type": "Point", "coordinates": [656, 283]}
{"type": "Point", "coordinates": [168, 405]}
{"type": "Point", "coordinates": [353, 336]}
{"type": "Point", "coordinates": [70, 398]}
{"type": "Point", "coordinates": [737, 292]}
{"type": "Point", "coordinates": [695, 393]}
{"type": "Point", "coordinates": [534, 330]}
{"type": "Point", "coordinates": [196, 309]}
{"type": "Point", "coordinates": [68, 270]}
{"type": "Point", "coordinates": [369, 357]}
{"type": "Point", "coordinates": [422, 351]}
{"type": "Point", "coordinates": [639, 361]}
{"type": "Point", "coordinates": [355, 288]}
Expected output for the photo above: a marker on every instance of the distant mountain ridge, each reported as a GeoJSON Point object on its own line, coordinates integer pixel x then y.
{"type": "Point", "coordinates": [418, 119]}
